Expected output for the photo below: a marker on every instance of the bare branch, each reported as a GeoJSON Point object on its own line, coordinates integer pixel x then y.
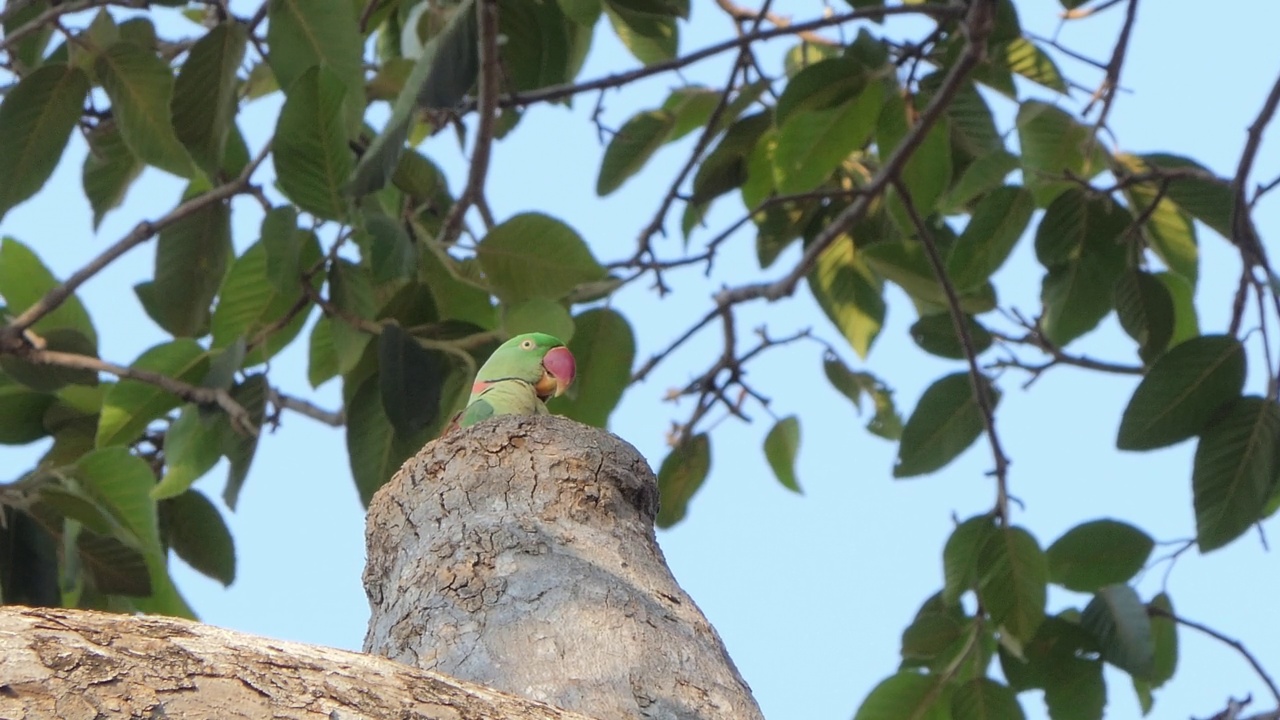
{"type": "Point", "coordinates": [11, 334]}
{"type": "Point", "coordinates": [1230, 642]}
{"type": "Point", "coordinates": [202, 395]}
{"type": "Point", "coordinates": [1243, 233]}
{"type": "Point", "coordinates": [487, 15]}
{"type": "Point", "coordinates": [977, 380]}
{"type": "Point", "coordinates": [979, 24]}
{"type": "Point", "coordinates": [1111, 81]}
{"type": "Point", "coordinates": [332, 418]}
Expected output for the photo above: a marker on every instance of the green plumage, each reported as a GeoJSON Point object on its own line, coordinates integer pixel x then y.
{"type": "Point", "coordinates": [505, 397]}
{"type": "Point", "coordinates": [508, 383]}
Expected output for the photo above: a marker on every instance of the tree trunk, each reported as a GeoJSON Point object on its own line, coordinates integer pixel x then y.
{"type": "Point", "coordinates": [520, 554]}
{"type": "Point", "coordinates": [82, 665]}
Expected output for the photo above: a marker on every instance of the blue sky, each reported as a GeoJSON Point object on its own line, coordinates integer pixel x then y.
{"type": "Point", "coordinates": [809, 592]}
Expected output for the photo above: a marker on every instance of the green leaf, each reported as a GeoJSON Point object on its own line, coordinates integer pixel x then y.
{"type": "Point", "coordinates": [632, 146]}
{"type": "Point", "coordinates": [930, 635]}
{"type": "Point", "coordinates": [725, 167]}
{"type": "Point", "coordinates": [681, 474]}
{"type": "Point", "coordinates": [1185, 323]}
{"type": "Point", "coordinates": [812, 144]}
{"type": "Point", "coordinates": [204, 96]}
{"type": "Point", "coordinates": [945, 423]}
{"type": "Point", "coordinates": [36, 119]}
{"type": "Point", "coordinates": [1168, 230]}
{"type": "Point", "coordinates": [110, 167]}
{"type": "Point", "coordinates": [29, 559]}
{"type": "Point", "coordinates": [1075, 690]}
{"type": "Point", "coordinates": [410, 379]}
{"type": "Point", "coordinates": [936, 334]}
{"type": "Point", "coordinates": [351, 294]}
{"type": "Point", "coordinates": [23, 418]}
{"type": "Point", "coordinates": [311, 154]}
{"type": "Point", "coordinates": [1146, 312]}
{"type": "Point", "coordinates": [1025, 58]}
{"type": "Point", "coordinates": [823, 85]}
{"type": "Point", "coordinates": [303, 34]}
{"type": "Point", "coordinates": [322, 359]}
{"type": "Point", "coordinates": [198, 534]}
{"type": "Point", "coordinates": [1053, 144]}
{"type": "Point", "coordinates": [1206, 197]}
{"type": "Point", "coordinates": [1182, 392]}
{"type": "Point", "coordinates": [886, 422]}
{"type": "Point", "coordinates": [780, 448]}
{"type": "Point", "coordinates": [375, 449]}
{"type": "Point", "coordinates": [238, 448]}
{"type": "Point", "coordinates": [849, 293]}
{"type": "Point", "coordinates": [190, 451]}
{"type": "Point", "coordinates": [1097, 553]}
{"type": "Point", "coordinates": [123, 482]}
{"type": "Point", "coordinates": [191, 259]}
{"type": "Point", "coordinates": [282, 241]}
{"type": "Point", "coordinates": [115, 567]}
{"type": "Point", "coordinates": [650, 38]}
{"type": "Point", "coordinates": [960, 556]}
{"type": "Point", "coordinates": [140, 86]}
{"type": "Point", "coordinates": [1012, 577]}
{"type": "Point", "coordinates": [983, 175]}
{"type": "Point", "coordinates": [538, 315]}
{"type": "Point", "coordinates": [1078, 293]}
{"type": "Point", "coordinates": [443, 74]}
{"type": "Point", "coordinates": [1234, 473]}
{"type": "Point", "coordinates": [48, 378]}
{"type": "Point", "coordinates": [534, 255]}
{"type": "Point", "coordinates": [249, 304]}
{"type": "Point", "coordinates": [392, 254]}
{"type": "Point", "coordinates": [130, 405]}
{"type": "Point", "coordinates": [583, 12]}
{"type": "Point", "coordinates": [904, 263]}
{"type": "Point", "coordinates": [24, 280]}
{"type": "Point", "coordinates": [540, 50]}
{"type": "Point", "coordinates": [985, 699]}
{"type": "Point", "coordinates": [906, 695]}
{"type": "Point", "coordinates": [692, 107]}
{"type": "Point", "coordinates": [456, 298]}
{"type": "Point", "coordinates": [927, 173]}
{"type": "Point", "coordinates": [996, 225]}
{"type": "Point", "coordinates": [1118, 620]}
{"type": "Point", "coordinates": [1062, 231]}
{"type": "Point", "coordinates": [605, 348]}
{"type": "Point", "coordinates": [1165, 633]}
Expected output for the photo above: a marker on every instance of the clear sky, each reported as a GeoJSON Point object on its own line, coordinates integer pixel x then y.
{"type": "Point", "coordinates": [810, 593]}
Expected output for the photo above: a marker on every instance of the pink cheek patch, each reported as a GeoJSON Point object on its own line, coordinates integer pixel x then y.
{"type": "Point", "coordinates": [560, 363]}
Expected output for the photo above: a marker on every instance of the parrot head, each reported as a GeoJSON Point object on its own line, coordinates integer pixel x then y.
{"type": "Point", "coordinates": [536, 358]}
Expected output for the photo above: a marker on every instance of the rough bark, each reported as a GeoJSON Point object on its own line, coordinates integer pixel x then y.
{"type": "Point", "coordinates": [78, 664]}
{"type": "Point", "coordinates": [520, 554]}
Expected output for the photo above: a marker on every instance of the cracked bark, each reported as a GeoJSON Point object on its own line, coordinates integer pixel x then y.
{"type": "Point", "coordinates": [79, 664]}
{"type": "Point", "coordinates": [520, 554]}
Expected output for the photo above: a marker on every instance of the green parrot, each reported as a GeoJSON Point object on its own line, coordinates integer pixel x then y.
{"type": "Point", "coordinates": [518, 379]}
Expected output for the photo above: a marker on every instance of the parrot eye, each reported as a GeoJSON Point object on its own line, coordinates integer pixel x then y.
{"type": "Point", "coordinates": [527, 345]}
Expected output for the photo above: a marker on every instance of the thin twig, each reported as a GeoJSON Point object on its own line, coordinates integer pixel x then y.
{"type": "Point", "coordinates": [1111, 81]}
{"type": "Point", "coordinates": [1231, 642]}
{"type": "Point", "coordinates": [979, 26]}
{"type": "Point", "coordinates": [240, 418]}
{"type": "Point", "coordinates": [333, 418]}
{"type": "Point", "coordinates": [742, 14]}
{"type": "Point", "coordinates": [978, 382]}
{"type": "Point", "coordinates": [559, 92]}
{"type": "Point", "coordinates": [655, 360]}
{"type": "Point", "coordinates": [143, 231]}
{"type": "Point", "coordinates": [487, 16]}
{"type": "Point", "coordinates": [58, 10]}
{"type": "Point", "coordinates": [1243, 234]}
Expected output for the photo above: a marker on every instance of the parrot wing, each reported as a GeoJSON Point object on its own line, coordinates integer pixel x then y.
{"type": "Point", "coordinates": [505, 397]}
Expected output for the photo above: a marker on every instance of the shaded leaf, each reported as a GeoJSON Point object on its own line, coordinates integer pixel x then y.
{"type": "Point", "coordinates": [115, 567]}
{"type": "Point", "coordinates": [204, 95]}
{"type": "Point", "coordinates": [812, 144]}
{"type": "Point", "coordinates": [1053, 144]}
{"type": "Point", "coordinates": [987, 172]}
{"type": "Point", "coordinates": [539, 315]}
{"type": "Point", "coordinates": [886, 422]}
{"type": "Point", "coordinates": [248, 304]}
{"type": "Point", "coordinates": [1186, 324]}
{"type": "Point", "coordinates": [1182, 391]}
{"type": "Point", "coordinates": [24, 280]}
{"type": "Point", "coordinates": [904, 263]}
{"type": "Point", "coordinates": [936, 334]}
{"type": "Point", "coordinates": [310, 147]}
{"type": "Point", "coordinates": [632, 146]}
{"type": "Point", "coordinates": [1012, 577]}
{"type": "Point", "coordinates": [1234, 473]}
{"type": "Point", "coordinates": [681, 474]}
{"type": "Point", "coordinates": [1097, 553]}
{"type": "Point", "coordinates": [410, 379]}
{"type": "Point", "coordinates": [944, 424]}
{"type": "Point", "coordinates": [110, 167]}
{"type": "Point", "coordinates": [190, 451]}
{"type": "Point", "coordinates": [130, 406]}
{"type": "Point", "coordinates": [192, 256]}
{"type": "Point", "coordinates": [23, 418]}
{"type": "Point", "coordinates": [1118, 620]}
{"type": "Point", "coordinates": [28, 560]}
{"type": "Point", "coordinates": [997, 223]}
{"type": "Point", "coordinates": [780, 448]}
{"type": "Point", "coordinates": [239, 448]}
{"type": "Point", "coordinates": [198, 534]}
{"type": "Point", "coordinates": [960, 556]}
{"type": "Point", "coordinates": [375, 449]}
{"type": "Point", "coordinates": [304, 34]}
{"type": "Point", "coordinates": [351, 294]}
{"type": "Point", "coordinates": [46, 377]}
{"type": "Point", "coordinates": [831, 83]}
{"type": "Point", "coordinates": [985, 699]}
{"type": "Point", "coordinates": [906, 695]}
{"type": "Point", "coordinates": [1165, 633]}
{"type": "Point", "coordinates": [605, 347]}
{"type": "Point", "coordinates": [1145, 309]}
{"type": "Point", "coordinates": [322, 359]}
{"type": "Point", "coordinates": [140, 86]}
{"type": "Point", "coordinates": [36, 119]}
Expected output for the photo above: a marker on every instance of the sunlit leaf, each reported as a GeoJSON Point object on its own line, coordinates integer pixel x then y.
{"type": "Point", "coordinates": [190, 451]}
{"type": "Point", "coordinates": [849, 293]}
{"type": "Point", "coordinates": [130, 405]}
{"type": "Point", "coordinates": [123, 482]}
{"type": "Point", "coordinates": [1165, 632]}
{"type": "Point", "coordinates": [249, 304]}
{"type": "Point", "coordinates": [812, 144]}
{"type": "Point", "coordinates": [650, 38]}
{"type": "Point", "coordinates": [1182, 392]}
{"type": "Point", "coordinates": [1025, 58]}
{"type": "Point", "coordinates": [1054, 144]}
{"type": "Point", "coordinates": [535, 255]}
{"type": "Point", "coordinates": [24, 280]}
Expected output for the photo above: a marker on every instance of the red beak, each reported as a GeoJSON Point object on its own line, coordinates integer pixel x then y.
{"type": "Point", "coordinates": [558, 368]}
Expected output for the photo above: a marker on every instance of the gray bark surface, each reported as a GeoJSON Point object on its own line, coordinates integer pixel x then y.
{"type": "Point", "coordinates": [520, 554]}
{"type": "Point", "coordinates": [85, 665]}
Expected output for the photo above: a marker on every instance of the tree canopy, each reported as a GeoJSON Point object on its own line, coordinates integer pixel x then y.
{"type": "Point", "coordinates": [893, 159]}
